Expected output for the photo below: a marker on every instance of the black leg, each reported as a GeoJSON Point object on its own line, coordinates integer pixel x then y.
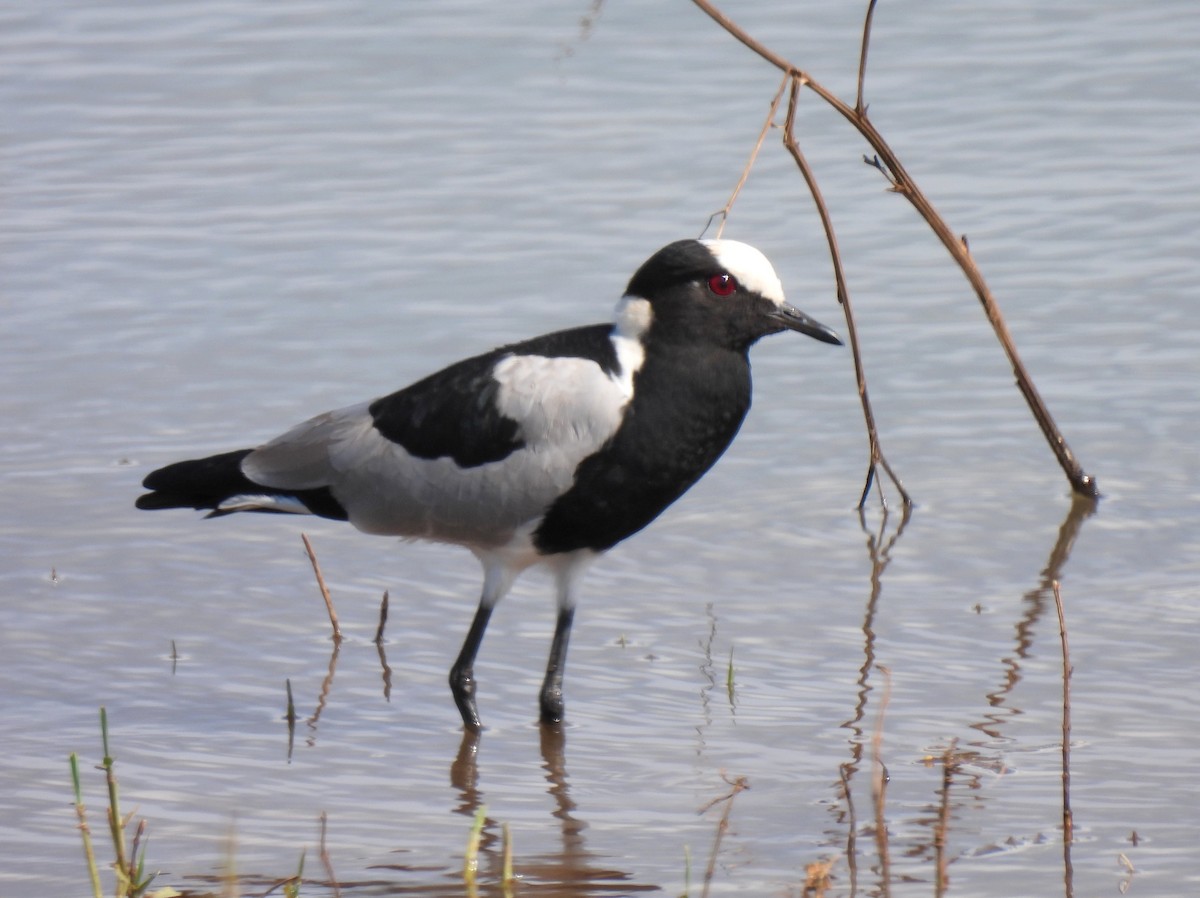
{"type": "Point", "coordinates": [552, 693]}
{"type": "Point", "coordinates": [462, 674]}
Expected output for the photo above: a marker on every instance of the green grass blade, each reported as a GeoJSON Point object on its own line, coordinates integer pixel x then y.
{"type": "Point", "coordinates": [89, 852]}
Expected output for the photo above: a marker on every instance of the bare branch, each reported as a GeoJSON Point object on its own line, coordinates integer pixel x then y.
{"type": "Point", "coordinates": [859, 106]}
{"type": "Point", "coordinates": [725, 22]}
{"type": "Point", "coordinates": [333, 619]}
{"type": "Point", "coordinates": [843, 295]}
{"type": "Point", "coordinates": [902, 183]}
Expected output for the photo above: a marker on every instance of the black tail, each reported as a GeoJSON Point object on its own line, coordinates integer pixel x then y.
{"type": "Point", "coordinates": [201, 483]}
{"type": "Point", "coordinates": [207, 482]}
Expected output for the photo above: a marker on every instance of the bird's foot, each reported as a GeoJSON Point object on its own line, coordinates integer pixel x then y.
{"type": "Point", "coordinates": [462, 687]}
{"type": "Point", "coordinates": [552, 705]}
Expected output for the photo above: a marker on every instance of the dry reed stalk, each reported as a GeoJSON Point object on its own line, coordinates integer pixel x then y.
{"type": "Point", "coordinates": [312, 557]}
{"type": "Point", "coordinates": [739, 785]}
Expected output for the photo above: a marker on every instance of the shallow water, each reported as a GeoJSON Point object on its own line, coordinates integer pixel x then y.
{"type": "Point", "coordinates": [220, 218]}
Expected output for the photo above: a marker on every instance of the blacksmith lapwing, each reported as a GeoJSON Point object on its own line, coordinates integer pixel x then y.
{"type": "Point", "coordinates": [549, 451]}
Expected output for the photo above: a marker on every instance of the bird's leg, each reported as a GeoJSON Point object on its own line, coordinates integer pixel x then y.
{"type": "Point", "coordinates": [462, 674]}
{"type": "Point", "coordinates": [552, 694]}
{"type": "Point", "coordinates": [568, 568]}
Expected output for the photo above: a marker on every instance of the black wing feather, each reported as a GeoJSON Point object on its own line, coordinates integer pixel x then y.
{"type": "Point", "coordinates": [454, 414]}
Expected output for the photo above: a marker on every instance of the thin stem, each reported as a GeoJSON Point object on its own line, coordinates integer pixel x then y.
{"type": "Point", "coordinates": [333, 619]}
{"type": "Point", "coordinates": [859, 106]}
{"type": "Point", "coordinates": [843, 294]}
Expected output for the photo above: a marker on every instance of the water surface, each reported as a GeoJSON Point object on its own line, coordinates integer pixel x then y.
{"type": "Point", "coordinates": [219, 219]}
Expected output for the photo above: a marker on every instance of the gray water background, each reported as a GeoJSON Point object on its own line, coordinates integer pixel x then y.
{"type": "Point", "coordinates": [219, 218]}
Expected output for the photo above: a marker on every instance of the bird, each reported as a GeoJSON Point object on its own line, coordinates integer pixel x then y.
{"type": "Point", "coordinates": [546, 452]}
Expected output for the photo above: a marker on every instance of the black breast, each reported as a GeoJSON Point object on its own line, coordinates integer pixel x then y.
{"type": "Point", "coordinates": [687, 407]}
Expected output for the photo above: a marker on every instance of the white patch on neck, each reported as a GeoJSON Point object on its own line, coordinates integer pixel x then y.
{"type": "Point", "coordinates": [633, 319]}
{"type": "Point", "coordinates": [749, 266]}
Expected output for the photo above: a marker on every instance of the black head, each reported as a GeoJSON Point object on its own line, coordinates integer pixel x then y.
{"type": "Point", "coordinates": [718, 291]}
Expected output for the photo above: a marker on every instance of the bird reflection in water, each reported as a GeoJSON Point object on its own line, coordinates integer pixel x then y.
{"type": "Point", "coordinates": [572, 870]}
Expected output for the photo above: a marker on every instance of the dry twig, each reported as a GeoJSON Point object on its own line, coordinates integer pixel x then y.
{"type": "Point", "coordinates": [739, 785]}
{"type": "Point", "coordinates": [312, 556]}
{"type": "Point", "coordinates": [888, 163]}
{"type": "Point", "coordinates": [843, 294]}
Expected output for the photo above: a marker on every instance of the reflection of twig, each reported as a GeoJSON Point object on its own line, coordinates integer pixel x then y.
{"type": "Point", "coordinates": [327, 862]}
{"type": "Point", "coordinates": [1068, 827]}
{"type": "Point", "coordinates": [943, 822]}
{"type": "Point", "coordinates": [879, 780]}
{"type": "Point", "coordinates": [1068, 819]}
{"type": "Point", "coordinates": [290, 716]}
{"type": "Point", "coordinates": [387, 671]}
{"type": "Point", "coordinates": [879, 552]}
{"type": "Point", "coordinates": [902, 183]}
{"type": "Point", "coordinates": [312, 556]}
{"type": "Point", "coordinates": [1034, 602]}
{"type": "Point", "coordinates": [326, 687]}
{"type": "Point", "coordinates": [851, 828]}
{"type": "Point", "coordinates": [879, 549]}
{"type": "Point", "coordinates": [739, 785]}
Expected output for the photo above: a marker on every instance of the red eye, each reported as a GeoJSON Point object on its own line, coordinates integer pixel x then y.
{"type": "Point", "coordinates": [722, 284]}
